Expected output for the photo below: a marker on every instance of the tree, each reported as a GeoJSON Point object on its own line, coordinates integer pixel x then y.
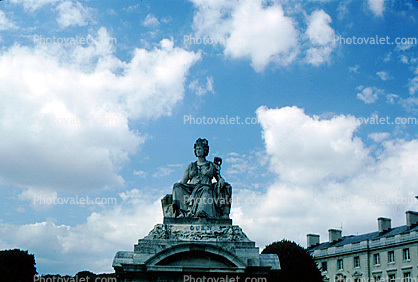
{"type": "Point", "coordinates": [86, 274]}
{"type": "Point", "coordinates": [17, 266]}
{"type": "Point", "coordinates": [296, 264]}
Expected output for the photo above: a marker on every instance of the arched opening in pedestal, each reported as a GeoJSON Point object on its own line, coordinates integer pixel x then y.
{"type": "Point", "coordinates": [195, 255]}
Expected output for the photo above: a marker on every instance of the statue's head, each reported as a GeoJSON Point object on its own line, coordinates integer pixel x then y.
{"type": "Point", "coordinates": [202, 143]}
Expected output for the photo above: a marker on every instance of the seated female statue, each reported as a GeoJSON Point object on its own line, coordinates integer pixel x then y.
{"type": "Point", "coordinates": [195, 195]}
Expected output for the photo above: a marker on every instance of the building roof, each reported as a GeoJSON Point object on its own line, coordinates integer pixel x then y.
{"type": "Point", "coordinates": [369, 236]}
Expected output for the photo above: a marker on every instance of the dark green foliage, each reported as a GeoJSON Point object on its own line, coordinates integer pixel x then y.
{"type": "Point", "coordinates": [17, 266]}
{"type": "Point", "coordinates": [85, 274]}
{"type": "Point", "coordinates": [92, 276]}
{"type": "Point", "coordinates": [296, 264]}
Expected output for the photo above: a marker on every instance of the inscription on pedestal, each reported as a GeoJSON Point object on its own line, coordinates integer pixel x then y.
{"type": "Point", "coordinates": [200, 227]}
{"type": "Point", "coordinates": [187, 232]}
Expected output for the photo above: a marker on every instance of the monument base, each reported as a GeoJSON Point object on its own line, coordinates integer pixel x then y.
{"type": "Point", "coordinates": [191, 248]}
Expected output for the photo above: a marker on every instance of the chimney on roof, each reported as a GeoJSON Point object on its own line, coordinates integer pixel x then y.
{"type": "Point", "coordinates": [411, 218]}
{"type": "Point", "coordinates": [384, 224]}
{"type": "Point", "coordinates": [313, 240]}
{"type": "Point", "coordinates": [334, 235]}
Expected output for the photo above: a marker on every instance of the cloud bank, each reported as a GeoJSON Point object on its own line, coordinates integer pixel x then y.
{"type": "Point", "coordinates": [322, 171]}
{"type": "Point", "coordinates": [66, 109]}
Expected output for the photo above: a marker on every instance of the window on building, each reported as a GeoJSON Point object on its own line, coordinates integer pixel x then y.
{"type": "Point", "coordinates": [340, 265]}
{"type": "Point", "coordinates": [324, 266]}
{"type": "Point", "coordinates": [391, 256]}
{"type": "Point", "coordinates": [407, 277]}
{"type": "Point", "coordinates": [376, 278]}
{"type": "Point", "coordinates": [376, 259]}
{"type": "Point", "coordinates": [406, 255]}
{"type": "Point", "coordinates": [392, 278]}
{"type": "Point", "coordinates": [356, 261]}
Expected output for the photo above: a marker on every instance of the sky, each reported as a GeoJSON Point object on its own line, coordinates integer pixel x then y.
{"type": "Point", "coordinates": [312, 105]}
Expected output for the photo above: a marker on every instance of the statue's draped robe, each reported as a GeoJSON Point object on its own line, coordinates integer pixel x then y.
{"type": "Point", "coordinates": [197, 197]}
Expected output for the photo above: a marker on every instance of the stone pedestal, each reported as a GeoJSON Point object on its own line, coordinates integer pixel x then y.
{"type": "Point", "coordinates": [183, 249]}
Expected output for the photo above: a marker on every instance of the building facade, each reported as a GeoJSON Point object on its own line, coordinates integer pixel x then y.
{"type": "Point", "coordinates": [390, 254]}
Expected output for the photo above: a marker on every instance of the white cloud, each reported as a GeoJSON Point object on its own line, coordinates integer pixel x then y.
{"type": "Point", "coordinates": [202, 89]}
{"type": "Point", "coordinates": [39, 199]}
{"type": "Point", "coordinates": [383, 75]}
{"type": "Point", "coordinates": [132, 8]}
{"type": "Point", "coordinates": [94, 242]}
{"type": "Point", "coordinates": [33, 5]}
{"type": "Point", "coordinates": [413, 83]}
{"type": "Point", "coordinates": [140, 173]}
{"type": "Point", "coordinates": [388, 57]}
{"type": "Point", "coordinates": [377, 7]}
{"type": "Point", "coordinates": [321, 36]}
{"type": "Point", "coordinates": [5, 23]}
{"type": "Point", "coordinates": [309, 149]}
{"type": "Point", "coordinates": [241, 166]}
{"type": "Point", "coordinates": [253, 30]}
{"type": "Point", "coordinates": [379, 136]}
{"type": "Point", "coordinates": [209, 84]}
{"type": "Point", "coordinates": [163, 172]}
{"type": "Point", "coordinates": [391, 98]}
{"type": "Point", "coordinates": [354, 69]}
{"type": "Point", "coordinates": [246, 171]}
{"type": "Point", "coordinates": [343, 9]}
{"type": "Point", "coordinates": [404, 47]}
{"type": "Point", "coordinates": [72, 13]}
{"type": "Point", "coordinates": [65, 110]}
{"type": "Point", "coordinates": [151, 21]}
{"type": "Point", "coordinates": [404, 59]}
{"type": "Point", "coordinates": [319, 32]}
{"type": "Point", "coordinates": [326, 178]}
{"type": "Point", "coordinates": [261, 32]}
{"type": "Point", "coordinates": [410, 104]}
{"type": "Point", "coordinates": [368, 95]}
